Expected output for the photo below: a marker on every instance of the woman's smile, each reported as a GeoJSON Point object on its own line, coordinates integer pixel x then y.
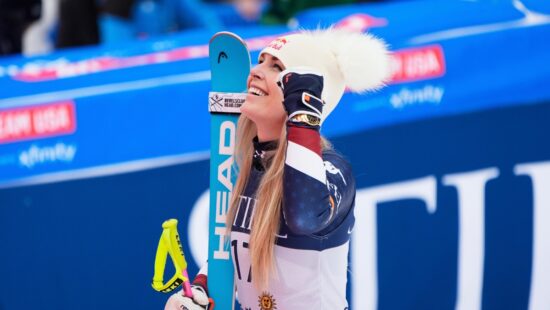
{"type": "Point", "coordinates": [256, 91]}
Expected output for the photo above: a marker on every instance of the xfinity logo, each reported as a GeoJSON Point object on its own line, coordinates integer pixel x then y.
{"type": "Point", "coordinates": [427, 94]}
{"type": "Point", "coordinates": [35, 155]}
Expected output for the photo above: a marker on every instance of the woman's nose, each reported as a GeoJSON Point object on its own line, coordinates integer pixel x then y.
{"type": "Point", "coordinates": [256, 73]}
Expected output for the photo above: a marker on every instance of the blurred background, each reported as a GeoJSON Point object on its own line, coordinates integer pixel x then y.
{"type": "Point", "coordinates": [104, 134]}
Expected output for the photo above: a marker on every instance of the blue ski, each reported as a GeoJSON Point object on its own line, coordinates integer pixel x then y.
{"type": "Point", "coordinates": [230, 66]}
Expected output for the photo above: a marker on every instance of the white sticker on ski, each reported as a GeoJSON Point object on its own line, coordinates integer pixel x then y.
{"type": "Point", "coordinates": [219, 102]}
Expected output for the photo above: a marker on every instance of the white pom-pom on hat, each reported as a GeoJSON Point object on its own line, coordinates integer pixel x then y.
{"type": "Point", "coordinates": [362, 58]}
{"type": "Point", "coordinates": [346, 59]}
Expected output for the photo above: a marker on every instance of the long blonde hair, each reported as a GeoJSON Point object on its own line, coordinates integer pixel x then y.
{"type": "Point", "coordinates": [266, 216]}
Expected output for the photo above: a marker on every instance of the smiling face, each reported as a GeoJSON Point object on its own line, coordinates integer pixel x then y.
{"type": "Point", "coordinates": [264, 102]}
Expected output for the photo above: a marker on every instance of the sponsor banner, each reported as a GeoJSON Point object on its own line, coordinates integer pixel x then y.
{"type": "Point", "coordinates": [148, 87]}
{"type": "Point", "coordinates": [36, 122]}
{"type": "Point", "coordinates": [41, 71]}
{"type": "Point", "coordinates": [47, 154]}
{"type": "Point", "coordinates": [449, 215]}
{"type": "Point", "coordinates": [426, 94]}
{"type": "Point", "coordinates": [112, 129]}
{"type": "Point", "coordinates": [153, 83]}
{"type": "Point", "coordinates": [420, 63]}
{"type": "Point", "coordinates": [36, 158]}
{"type": "Point", "coordinates": [360, 22]}
{"type": "Point", "coordinates": [34, 73]}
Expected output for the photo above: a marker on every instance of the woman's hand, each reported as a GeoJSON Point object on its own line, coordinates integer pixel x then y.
{"type": "Point", "coordinates": [200, 300]}
{"type": "Point", "coordinates": [302, 88]}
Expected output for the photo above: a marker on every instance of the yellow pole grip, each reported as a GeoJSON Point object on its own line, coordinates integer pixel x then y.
{"type": "Point", "coordinates": [172, 238]}
{"type": "Point", "coordinates": [169, 243]}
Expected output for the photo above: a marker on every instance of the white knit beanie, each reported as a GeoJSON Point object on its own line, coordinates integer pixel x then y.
{"type": "Point", "coordinates": [354, 60]}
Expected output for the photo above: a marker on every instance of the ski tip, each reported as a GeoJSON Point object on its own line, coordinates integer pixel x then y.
{"type": "Point", "coordinates": [226, 33]}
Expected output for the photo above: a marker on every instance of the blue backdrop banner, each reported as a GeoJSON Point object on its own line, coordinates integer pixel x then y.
{"type": "Point", "coordinates": [98, 146]}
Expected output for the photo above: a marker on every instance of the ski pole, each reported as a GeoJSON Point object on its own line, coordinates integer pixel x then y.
{"type": "Point", "coordinates": [170, 244]}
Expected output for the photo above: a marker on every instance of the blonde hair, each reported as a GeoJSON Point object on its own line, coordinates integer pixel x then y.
{"type": "Point", "coordinates": [266, 216]}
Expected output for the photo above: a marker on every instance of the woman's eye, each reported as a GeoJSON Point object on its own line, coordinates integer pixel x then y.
{"type": "Point", "coordinates": [278, 67]}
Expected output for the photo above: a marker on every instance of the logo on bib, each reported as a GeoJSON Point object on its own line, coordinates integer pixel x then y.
{"type": "Point", "coordinates": [267, 302]}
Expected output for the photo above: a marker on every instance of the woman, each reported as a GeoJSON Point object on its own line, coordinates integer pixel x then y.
{"type": "Point", "coordinates": [292, 208]}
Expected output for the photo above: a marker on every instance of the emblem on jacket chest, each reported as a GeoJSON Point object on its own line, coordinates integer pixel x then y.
{"type": "Point", "coordinates": [267, 302]}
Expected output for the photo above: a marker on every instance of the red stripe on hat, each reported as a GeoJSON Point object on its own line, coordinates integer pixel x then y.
{"type": "Point", "coordinates": [306, 137]}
